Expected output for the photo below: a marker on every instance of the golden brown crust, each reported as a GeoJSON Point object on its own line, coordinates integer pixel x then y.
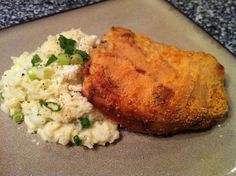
{"type": "Point", "coordinates": [153, 88]}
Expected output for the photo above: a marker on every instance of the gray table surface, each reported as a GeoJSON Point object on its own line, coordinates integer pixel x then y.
{"type": "Point", "coordinates": [217, 17]}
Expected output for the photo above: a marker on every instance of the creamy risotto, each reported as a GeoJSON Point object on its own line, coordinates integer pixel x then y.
{"type": "Point", "coordinates": [43, 90]}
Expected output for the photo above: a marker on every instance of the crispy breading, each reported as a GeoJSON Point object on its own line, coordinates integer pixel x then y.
{"type": "Point", "coordinates": [153, 88]}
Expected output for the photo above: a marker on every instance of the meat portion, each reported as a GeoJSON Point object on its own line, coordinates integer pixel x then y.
{"type": "Point", "coordinates": [153, 88]}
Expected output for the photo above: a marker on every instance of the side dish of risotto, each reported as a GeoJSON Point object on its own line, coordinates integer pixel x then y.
{"type": "Point", "coordinates": [43, 90]}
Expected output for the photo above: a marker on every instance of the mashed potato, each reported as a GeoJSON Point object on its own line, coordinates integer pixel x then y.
{"type": "Point", "coordinates": [60, 86]}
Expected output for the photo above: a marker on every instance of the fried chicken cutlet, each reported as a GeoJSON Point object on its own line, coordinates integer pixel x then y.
{"type": "Point", "coordinates": [153, 88]}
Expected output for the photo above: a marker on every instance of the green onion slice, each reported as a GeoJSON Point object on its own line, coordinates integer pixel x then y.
{"type": "Point", "coordinates": [77, 140]}
{"type": "Point", "coordinates": [76, 59]}
{"type": "Point", "coordinates": [67, 44]}
{"type": "Point", "coordinates": [39, 73]}
{"type": "Point", "coordinates": [1, 96]}
{"type": "Point", "coordinates": [18, 117]}
{"type": "Point", "coordinates": [36, 60]}
{"type": "Point", "coordinates": [69, 50]}
{"type": "Point", "coordinates": [51, 59]}
{"type": "Point", "coordinates": [53, 106]}
{"type": "Point", "coordinates": [85, 123]}
{"type": "Point", "coordinates": [48, 73]}
{"type": "Point", "coordinates": [83, 54]}
{"type": "Point", "coordinates": [34, 73]}
{"type": "Point", "coordinates": [63, 59]}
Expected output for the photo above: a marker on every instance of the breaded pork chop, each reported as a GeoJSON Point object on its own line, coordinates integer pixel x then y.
{"type": "Point", "coordinates": [153, 88]}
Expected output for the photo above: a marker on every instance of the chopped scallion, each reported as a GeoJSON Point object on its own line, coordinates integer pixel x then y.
{"type": "Point", "coordinates": [53, 106]}
{"type": "Point", "coordinates": [33, 73]}
{"type": "Point", "coordinates": [63, 59]}
{"type": "Point", "coordinates": [85, 123]}
{"type": "Point", "coordinates": [76, 59]}
{"type": "Point", "coordinates": [38, 73]}
{"type": "Point", "coordinates": [69, 50]}
{"type": "Point", "coordinates": [47, 74]}
{"type": "Point", "coordinates": [77, 140]}
{"type": "Point", "coordinates": [67, 44]}
{"type": "Point", "coordinates": [83, 54]}
{"type": "Point", "coordinates": [18, 117]}
{"type": "Point", "coordinates": [36, 60]}
{"type": "Point", "coordinates": [51, 59]}
{"type": "Point", "coordinates": [1, 96]}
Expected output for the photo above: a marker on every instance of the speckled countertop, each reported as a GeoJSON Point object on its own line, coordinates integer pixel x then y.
{"type": "Point", "coordinates": [217, 17]}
